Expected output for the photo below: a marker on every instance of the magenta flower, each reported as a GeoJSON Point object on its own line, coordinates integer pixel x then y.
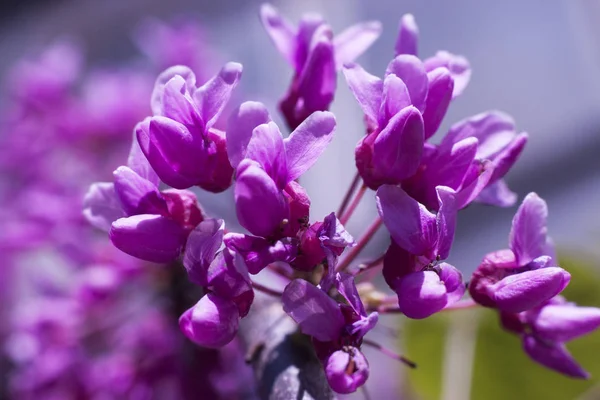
{"type": "Point", "coordinates": [179, 140]}
{"type": "Point", "coordinates": [498, 142]}
{"type": "Point", "coordinates": [269, 204]}
{"type": "Point", "coordinates": [337, 329]}
{"type": "Point", "coordinates": [457, 66]}
{"type": "Point", "coordinates": [421, 240]}
{"type": "Point", "coordinates": [143, 221]}
{"type": "Point", "coordinates": [546, 328]}
{"type": "Point", "coordinates": [214, 320]}
{"type": "Point", "coordinates": [393, 108]}
{"type": "Point", "coordinates": [315, 55]}
{"type": "Point", "coordinates": [525, 276]}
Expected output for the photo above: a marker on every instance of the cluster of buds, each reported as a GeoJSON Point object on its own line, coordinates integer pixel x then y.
{"type": "Point", "coordinates": [419, 189]}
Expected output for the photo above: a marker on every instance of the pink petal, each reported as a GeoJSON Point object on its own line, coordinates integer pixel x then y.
{"type": "Point", "coordinates": [307, 142]}
{"type": "Point", "coordinates": [354, 41]}
{"type": "Point", "coordinates": [411, 225]}
{"type": "Point", "coordinates": [528, 235]}
{"type": "Point", "coordinates": [408, 36]}
{"type": "Point", "coordinates": [317, 314]}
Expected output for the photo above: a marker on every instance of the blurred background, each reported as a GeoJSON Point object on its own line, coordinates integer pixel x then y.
{"type": "Point", "coordinates": [537, 60]}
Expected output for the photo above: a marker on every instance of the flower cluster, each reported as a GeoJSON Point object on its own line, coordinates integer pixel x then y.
{"type": "Point", "coordinates": [419, 189]}
{"type": "Point", "coordinates": [80, 318]}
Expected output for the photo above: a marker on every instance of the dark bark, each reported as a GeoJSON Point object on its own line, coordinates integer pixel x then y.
{"type": "Point", "coordinates": [283, 360]}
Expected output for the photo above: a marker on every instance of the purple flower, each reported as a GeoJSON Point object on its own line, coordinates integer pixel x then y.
{"type": "Point", "coordinates": [315, 55]}
{"type": "Point", "coordinates": [322, 242]}
{"type": "Point", "coordinates": [45, 82]}
{"type": "Point", "coordinates": [175, 43]}
{"type": "Point", "coordinates": [346, 370]}
{"type": "Point", "coordinates": [393, 108]}
{"type": "Point", "coordinates": [498, 142]}
{"type": "Point", "coordinates": [219, 270]}
{"type": "Point", "coordinates": [458, 66]}
{"type": "Point", "coordinates": [268, 203]}
{"type": "Point", "coordinates": [546, 328]}
{"type": "Point", "coordinates": [212, 322]}
{"type": "Point", "coordinates": [524, 276]}
{"type": "Point", "coordinates": [421, 240]}
{"type": "Point", "coordinates": [143, 221]}
{"type": "Point", "coordinates": [179, 141]}
{"type": "Point", "coordinates": [337, 329]}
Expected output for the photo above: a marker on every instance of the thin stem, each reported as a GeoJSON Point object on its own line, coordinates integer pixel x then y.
{"type": "Point", "coordinates": [362, 242]}
{"type": "Point", "coordinates": [362, 268]}
{"type": "Point", "coordinates": [280, 270]}
{"type": "Point", "coordinates": [266, 290]}
{"type": "Point", "coordinates": [390, 353]}
{"type": "Point", "coordinates": [348, 194]}
{"type": "Point", "coordinates": [355, 201]}
{"type": "Point", "coordinates": [459, 305]}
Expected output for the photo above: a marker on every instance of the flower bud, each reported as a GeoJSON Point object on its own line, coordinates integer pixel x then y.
{"type": "Point", "coordinates": [212, 322]}
{"type": "Point", "coordinates": [346, 370]}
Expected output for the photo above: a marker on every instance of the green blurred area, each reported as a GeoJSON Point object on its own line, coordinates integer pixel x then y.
{"type": "Point", "coordinates": [501, 370]}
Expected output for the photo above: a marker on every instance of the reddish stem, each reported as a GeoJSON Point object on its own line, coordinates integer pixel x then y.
{"type": "Point", "coordinates": [459, 305]}
{"type": "Point", "coordinates": [362, 242]}
{"type": "Point", "coordinates": [390, 353]}
{"type": "Point", "coordinates": [264, 289]}
{"type": "Point", "coordinates": [348, 195]}
{"type": "Point", "coordinates": [355, 201]}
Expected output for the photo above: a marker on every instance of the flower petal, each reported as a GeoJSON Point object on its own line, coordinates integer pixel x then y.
{"type": "Point", "coordinates": [366, 88]}
{"type": "Point", "coordinates": [260, 205]}
{"type": "Point", "coordinates": [408, 36]}
{"type": "Point", "coordinates": [411, 225]}
{"type": "Point", "coordinates": [439, 95]}
{"type": "Point", "coordinates": [561, 323]}
{"type": "Point", "coordinates": [497, 194]}
{"type": "Point", "coordinates": [212, 97]}
{"type": "Point", "coordinates": [281, 32]}
{"type": "Point", "coordinates": [346, 370]}
{"type": "Point", "coordinates": [101, 206]}
{"type": "Point", "coordinates": [317, 314]}
{"type": "Point", "coordinates": [528, 235]}
{"type": "Point", "coordinates": [157, 94]}
{"type": "Point", "coordinates": [307, 142]}
{"type": "Point", "coordinates": [201, 247]}
{"type": "Point", "coordinates": [526, 290]}
{"type": "Point", "coordinates": [476, 180]}
{"type": "Point", "coordinates": [411, 70]}
{"type": "Point", "coordinates": [347, 288]}
{"type": "Point", "coordinates": [394, 99]}
{"type": "Point", "coordinates": [459, 68]}
{"type": "Point", "coordinates": [170, 149]}
{"type": "Point", "coordinates": [242, 122]}
{"type": "Point", "coordinates": [452, 278]}
{"type": "Point", "coordinates": [398, 148]}
{"type": "Point", "coordinates": [212, 322]}
{"type": "Point", "coordinates": [267, 149]}
{"type": "Point", "coordinates": [149, 237]}
{"type": "Point", "coordinates": [504, 161]}
{"type": "Point", "coordinates": [317, 80]}
{"type": "Point", "coordinates": [494, 130]}
{"type": "Point", "coordinates": [178, 105]}
{"type": "Point", "coordinates": [136, 194]}
{"type": "Point", "coordinates": [354, 41]}
{"type": "Point", "coordinates": [421, 294]}
{"type": "Point", "coordinates": [554, 356]}
{"type": "Point", "coordinates": [228, 278]}
{"type": "Point", "coordinates": [446, 220]}
{"type": "Point", "coordinates": [137, 161]}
